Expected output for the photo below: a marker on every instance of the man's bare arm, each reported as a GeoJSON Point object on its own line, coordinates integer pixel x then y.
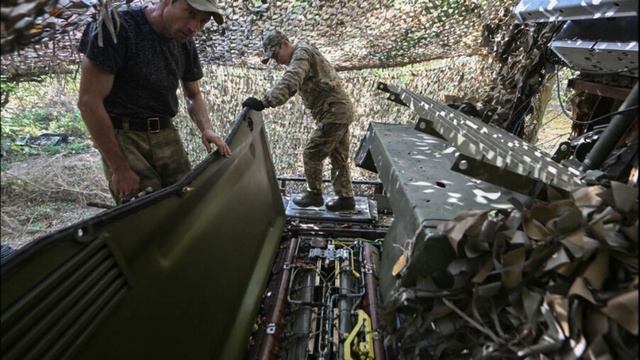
{"type": "Point", "coordinates": [95, 85]}
{"type": "Point", "coordinates": [200, 115]}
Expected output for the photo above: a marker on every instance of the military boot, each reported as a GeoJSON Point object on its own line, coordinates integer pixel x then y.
{"type": "Point", "coordinates": [341, 204]}
{"type": "Point", "coordinates": [309, 198]}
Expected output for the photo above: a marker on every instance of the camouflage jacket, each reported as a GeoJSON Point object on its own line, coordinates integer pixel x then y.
{"type": "Point", "coordinates": [318, 83]}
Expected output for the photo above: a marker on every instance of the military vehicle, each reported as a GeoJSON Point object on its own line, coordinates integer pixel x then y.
{"type": "Point", "coordinates": [222, 265]}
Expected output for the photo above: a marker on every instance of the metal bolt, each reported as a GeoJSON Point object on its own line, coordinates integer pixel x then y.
{"type": "Point", "coordinates": [422, 125]}
{"type": "Point", "coordinates": [463, 165]}
{"type": "Point", "coordinates": [564, 147]}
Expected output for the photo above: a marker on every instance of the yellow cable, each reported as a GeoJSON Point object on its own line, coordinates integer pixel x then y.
{"type": "Point", "coordinates": [352, 335]}
{"type": "Point", "coordinates": [353, 266]}
{"type": "Point", "coordinates": [366, 347]}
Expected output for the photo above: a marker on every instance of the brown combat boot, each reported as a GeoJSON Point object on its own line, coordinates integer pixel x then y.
{"type": "Point", "coordinates": [309, 198]}
{"type": "Point", "coordinates": [341, 204]}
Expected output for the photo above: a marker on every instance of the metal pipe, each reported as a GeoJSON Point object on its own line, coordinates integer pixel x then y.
{"type": "Point", "coordinates": [325, 333]}
{"type": "Point", "coordinates": [329, 325]}
{"type": "Point", "coordinates": [325, 338]}
{"type": "Point", "coordinates": [269, 345]}
{"type": "Point", "coordinates": [302, 323]}
{"type": "Point", "coordinates": [344, 305]}
{"type": "Point", "coordinates": [371, 257]}
{"type": "Point", "coordinates": [613, 133]}
{"type": "Point", "coordinates": [347, 294]}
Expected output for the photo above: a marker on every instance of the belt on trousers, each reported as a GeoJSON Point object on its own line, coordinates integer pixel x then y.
{"type": "Point", "coordinates": [152, 125]}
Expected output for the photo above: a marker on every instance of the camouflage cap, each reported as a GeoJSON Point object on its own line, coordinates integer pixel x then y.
{"type": "Point", "coordinates": [271, 40]}
{"type": "Point", "coordinates": [210, 6]}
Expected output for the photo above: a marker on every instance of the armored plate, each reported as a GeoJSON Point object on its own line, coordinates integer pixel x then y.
{"type": "Point", "coordinates": [600, 46]}
{"type": "Point", "coordinates": [423, 191]}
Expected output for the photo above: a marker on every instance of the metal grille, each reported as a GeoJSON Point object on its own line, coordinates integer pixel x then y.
{"type": "Point", "coordinates": [55, 316]}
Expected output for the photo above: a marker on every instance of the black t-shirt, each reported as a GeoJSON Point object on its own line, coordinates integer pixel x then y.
{"type": "Point", "coordinates": [147, 67]}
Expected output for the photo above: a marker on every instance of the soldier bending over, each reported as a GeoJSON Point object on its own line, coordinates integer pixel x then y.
{"type": "Point", "coordinates": [310, 74]}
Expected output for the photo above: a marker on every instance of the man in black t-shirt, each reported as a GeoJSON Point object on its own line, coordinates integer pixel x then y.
{"type": "Point", "coordinates": [128, 93]}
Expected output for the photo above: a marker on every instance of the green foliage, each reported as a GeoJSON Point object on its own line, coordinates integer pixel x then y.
{"type": "Point", "coordinates": [566, 93]}
{"type": "Point", "coordinates": [76, 147]}
{"type": "Point", "coordinates": [34, 228]}
{"type": "Point", "coordinates": [42, 105]}
{"type": "Point", "coordinates": [34, 122]}
{"type": "Point", "coordinates": [17, 152]}
{"type": "Point", "coordinates": [38, 120]}
{"type": "Point", "coordinates": [70, 123]}
{"type": "Point", "coordinates": [24, 123]}
{"type": "Point", "coordinates": [7, 87]}
{"type": "Point", "coordinates": [51, 149]}
{"type": "Point", "coordinates": [37, 105]}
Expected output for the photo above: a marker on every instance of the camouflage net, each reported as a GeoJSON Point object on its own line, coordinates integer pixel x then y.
{"type": "Point", "coordinates": [290, 125]}
{"type": "Point", "coordinates": [352, 35]}
{"type": "Point", "coordinates": [523, 68]}
{"type": "Point", "coordinates": [549, 280]}
{"type": "Point", "coordinates": [502, 78]}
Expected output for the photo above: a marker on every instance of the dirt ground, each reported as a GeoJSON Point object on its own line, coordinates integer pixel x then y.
{"type": "Point", "coordinates": [44, 193]}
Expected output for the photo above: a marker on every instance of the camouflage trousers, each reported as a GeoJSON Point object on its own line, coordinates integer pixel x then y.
{"type": "Point", "coordinates": [329, 139]}
{"type": "Point", "coordinates": [159, 159]}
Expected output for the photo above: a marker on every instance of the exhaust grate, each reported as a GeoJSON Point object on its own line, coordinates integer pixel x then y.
{"type": "Point", "coordinates": [57, 314]}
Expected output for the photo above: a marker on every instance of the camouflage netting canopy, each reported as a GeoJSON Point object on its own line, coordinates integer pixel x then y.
{"type": "Point", "coordinates": [450, 50]}
{"type": "Point", "coordinates": [351, 34]}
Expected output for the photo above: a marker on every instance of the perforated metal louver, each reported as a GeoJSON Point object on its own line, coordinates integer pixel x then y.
{"type": "Point", "coordinates": [57, 314]}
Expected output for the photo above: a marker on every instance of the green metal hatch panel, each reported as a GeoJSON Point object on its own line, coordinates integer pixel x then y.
{"type": "Point", "coordinates": [178, 274]}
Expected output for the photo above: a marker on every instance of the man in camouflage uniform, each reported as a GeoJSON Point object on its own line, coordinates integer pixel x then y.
{"type": "Point", "coordinates": [310, 74]}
